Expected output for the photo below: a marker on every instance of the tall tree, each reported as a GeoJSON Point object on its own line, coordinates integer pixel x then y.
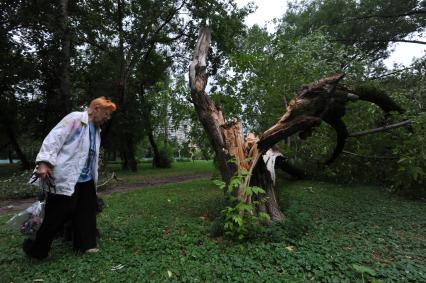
{"type": "Point", "coordinates": [133, 33]}
{"type": "Point", "coordinates": [369, 25]}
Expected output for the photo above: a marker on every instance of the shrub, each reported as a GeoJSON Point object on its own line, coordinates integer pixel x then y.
{"type": "Point", "coordinates": [165, 157]}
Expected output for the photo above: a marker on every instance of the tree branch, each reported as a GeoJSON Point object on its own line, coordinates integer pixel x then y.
{"type": "Point", "coordinates": [381, 129]}
{"type": "Point", "coordinates": [113, 176]}
{"type": "Point", "coordinates": [409, 13]}
{"type": "Point", "coordinates": [390, 74]}
{"type": "Point", "coordinates": [379, 40]}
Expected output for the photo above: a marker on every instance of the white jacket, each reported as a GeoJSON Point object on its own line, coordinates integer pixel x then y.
{"type": "Point", "coordinates": [66, 148]}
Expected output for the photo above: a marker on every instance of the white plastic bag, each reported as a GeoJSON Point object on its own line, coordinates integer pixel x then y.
{"type": "Point", "coordinates": [29, 220]}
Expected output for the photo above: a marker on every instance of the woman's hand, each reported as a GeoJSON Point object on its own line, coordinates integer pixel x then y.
{"type": "Point", "coordinates": [44, 170]}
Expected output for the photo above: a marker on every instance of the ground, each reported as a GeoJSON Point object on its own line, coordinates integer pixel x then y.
{"type": "Point", "coordinates": [333, 233]}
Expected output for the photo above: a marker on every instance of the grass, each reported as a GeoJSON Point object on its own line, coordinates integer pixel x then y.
{"type": "Point", "coordinates": [14, 183]}
{"type": "Point", "coordinates": [354, 233]}
{"type": "Point", "coordinates": [147, 172]}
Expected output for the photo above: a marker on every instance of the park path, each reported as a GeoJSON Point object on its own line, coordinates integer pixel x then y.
{"type": "Point", "coordinates": [15, 205]}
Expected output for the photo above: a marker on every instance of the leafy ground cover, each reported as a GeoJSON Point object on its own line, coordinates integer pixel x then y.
{"type": "Point", "coordinates": [333, 234]}
{"type": "Point", "coordinates": [14, 183]}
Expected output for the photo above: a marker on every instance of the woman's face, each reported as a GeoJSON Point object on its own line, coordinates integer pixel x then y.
{"type": "Point", "coordinates": [100, 116]}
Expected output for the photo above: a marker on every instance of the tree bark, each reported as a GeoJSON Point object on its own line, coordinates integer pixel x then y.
{"type": "Point", "coordinates": [262, 178]}
{"type": "Point", "coordinates": [25, 164]}
{"type": "Point", "coordinates": [155, 151]}
{"type": "Point", "coordinates": [226, 138]}
{"type": "Point", "coordinates": [64, 76]}
{"type": "Point", "coordinates": [9, 154]}
{"type": "Point", "coordinates": [209, 114]}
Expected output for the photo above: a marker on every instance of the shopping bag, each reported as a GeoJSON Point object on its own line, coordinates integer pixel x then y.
{"type": "Point", "coordinates": [29, 221]}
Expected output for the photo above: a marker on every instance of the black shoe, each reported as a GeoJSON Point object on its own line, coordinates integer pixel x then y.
{"type": "Point", "coordinates": [28, 247]}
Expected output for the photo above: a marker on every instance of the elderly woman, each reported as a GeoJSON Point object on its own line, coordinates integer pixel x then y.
{"type": "Point", "coordinates": [70, 155]}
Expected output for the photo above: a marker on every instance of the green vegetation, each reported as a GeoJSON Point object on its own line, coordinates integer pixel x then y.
{"type": "Point", "coordinates": [239, 218]}
{"type": "Point", "coordinates": [14, 183]}
{"type": "Point", "coordinates": [332, 234]}
{"type": "Point", "coordinates": [147, 172]}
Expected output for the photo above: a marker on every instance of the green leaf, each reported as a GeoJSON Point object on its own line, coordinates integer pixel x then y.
{"type": "Point", "coordinates": [257, 190]}
{"type": "Point", "coordinates": [364, 269]}
{"type": "Point", "coordinates": [244, 207]}
{"type": "Point", "coordinates": [238, 219]}
{"type": "Point", "coordinates": [221, 184]}
{"type": "Point", "coordinates": [264, 216]}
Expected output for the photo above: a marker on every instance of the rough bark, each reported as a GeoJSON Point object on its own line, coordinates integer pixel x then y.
{"type": "Point", "coordinates": [262, 178]}
{"type": "Point", "coordinates": [209, 114]}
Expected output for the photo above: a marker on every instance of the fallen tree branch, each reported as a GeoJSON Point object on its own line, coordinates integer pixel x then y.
{"type": "Point", "coordinates": [113, 177]}
{"type": "Point", "coordinates": [381, 129]}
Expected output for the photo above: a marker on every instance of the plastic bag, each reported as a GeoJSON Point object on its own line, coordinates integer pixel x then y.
{"type": "Point", "coordinates": [29, 221]}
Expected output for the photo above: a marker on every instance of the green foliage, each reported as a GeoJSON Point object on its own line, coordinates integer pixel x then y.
{"type": "Point", "coordinates": [409, 177]}
{"type": "Point", "coordinates": [239, 216]}
{"type": "Point", "coordinates": [16, 185]}
{"type": "Point", "coordinates": [297, 222]}
{"type": "Point", "coordinates": [352, 227]}
{"type": "Point", "coordinates": [368, 25]}
{"type": "Point", "coordinates": [165, 156]}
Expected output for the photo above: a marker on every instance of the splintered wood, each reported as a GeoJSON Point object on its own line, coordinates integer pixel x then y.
{"type": "Point", "coordinates": [242, 149]}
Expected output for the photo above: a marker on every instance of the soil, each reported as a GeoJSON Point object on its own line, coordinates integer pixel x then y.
{"type": "Point", "coordinates": [15, 205]}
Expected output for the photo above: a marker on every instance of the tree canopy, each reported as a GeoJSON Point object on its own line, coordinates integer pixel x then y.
{"type": "Point", "coordinates": [56, 57]}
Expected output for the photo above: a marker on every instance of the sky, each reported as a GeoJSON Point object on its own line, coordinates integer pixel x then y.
{"type": "Point", "coordinates": [269, 9]}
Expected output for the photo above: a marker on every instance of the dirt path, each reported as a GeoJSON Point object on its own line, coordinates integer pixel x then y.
{"type": "Point", "coordinates": [15, 205]}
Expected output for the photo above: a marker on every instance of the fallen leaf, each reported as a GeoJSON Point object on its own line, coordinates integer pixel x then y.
{"type": "Point", "coordinates": [117, 267]}
{"type": "Point", "coordinates": [290, 248]}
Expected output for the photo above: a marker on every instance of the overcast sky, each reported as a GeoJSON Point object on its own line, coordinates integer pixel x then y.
{"type": "Point", "coordinates": [269, 9]}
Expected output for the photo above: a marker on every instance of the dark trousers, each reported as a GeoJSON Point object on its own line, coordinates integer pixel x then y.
{"type": "Point", "coordinates": [80, 208]}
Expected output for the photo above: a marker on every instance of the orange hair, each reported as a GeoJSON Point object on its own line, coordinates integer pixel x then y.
{"type": "Point", "coordinates": [104, 103]}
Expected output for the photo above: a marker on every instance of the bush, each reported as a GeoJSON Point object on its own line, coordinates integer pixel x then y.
{"type": "Point", "coordinates": [166, 157]}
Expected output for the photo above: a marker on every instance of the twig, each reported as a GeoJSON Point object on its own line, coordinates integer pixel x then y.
{"type": "Point", "coordinates": [391, 73]}
{"type": "Point", "coordinates": [113, 176]}
{"type": "Point", "coordinates": [381, 129]}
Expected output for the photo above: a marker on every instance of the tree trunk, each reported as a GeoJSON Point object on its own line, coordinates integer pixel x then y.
{"type": "Point", "coordinates": [64, 75]}
{"type": "Point", "coordinates": [124, 162]}
{"type": "Point", "coordinates": [156, 159]}
{"type": "Point", "coordinates": [9, 154]}
{"type": "Point", "coordinates": [209, 114]}
{"type": "Point", "coordinates": [226, 138]}
{"type": "Point", "coordinates": [262, 178]}
{"type": "Point", "coordinates": [25, 164]}
{"type": "Point", "coordinates": [146, 113]}
{"type": "Point", "coordinates": [130, 152]}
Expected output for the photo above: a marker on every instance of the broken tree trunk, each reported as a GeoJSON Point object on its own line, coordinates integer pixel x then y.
{"type": "Point", "coordinates": [209, 114]}
{"type": "Point", "coordinates": [227, 139]}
